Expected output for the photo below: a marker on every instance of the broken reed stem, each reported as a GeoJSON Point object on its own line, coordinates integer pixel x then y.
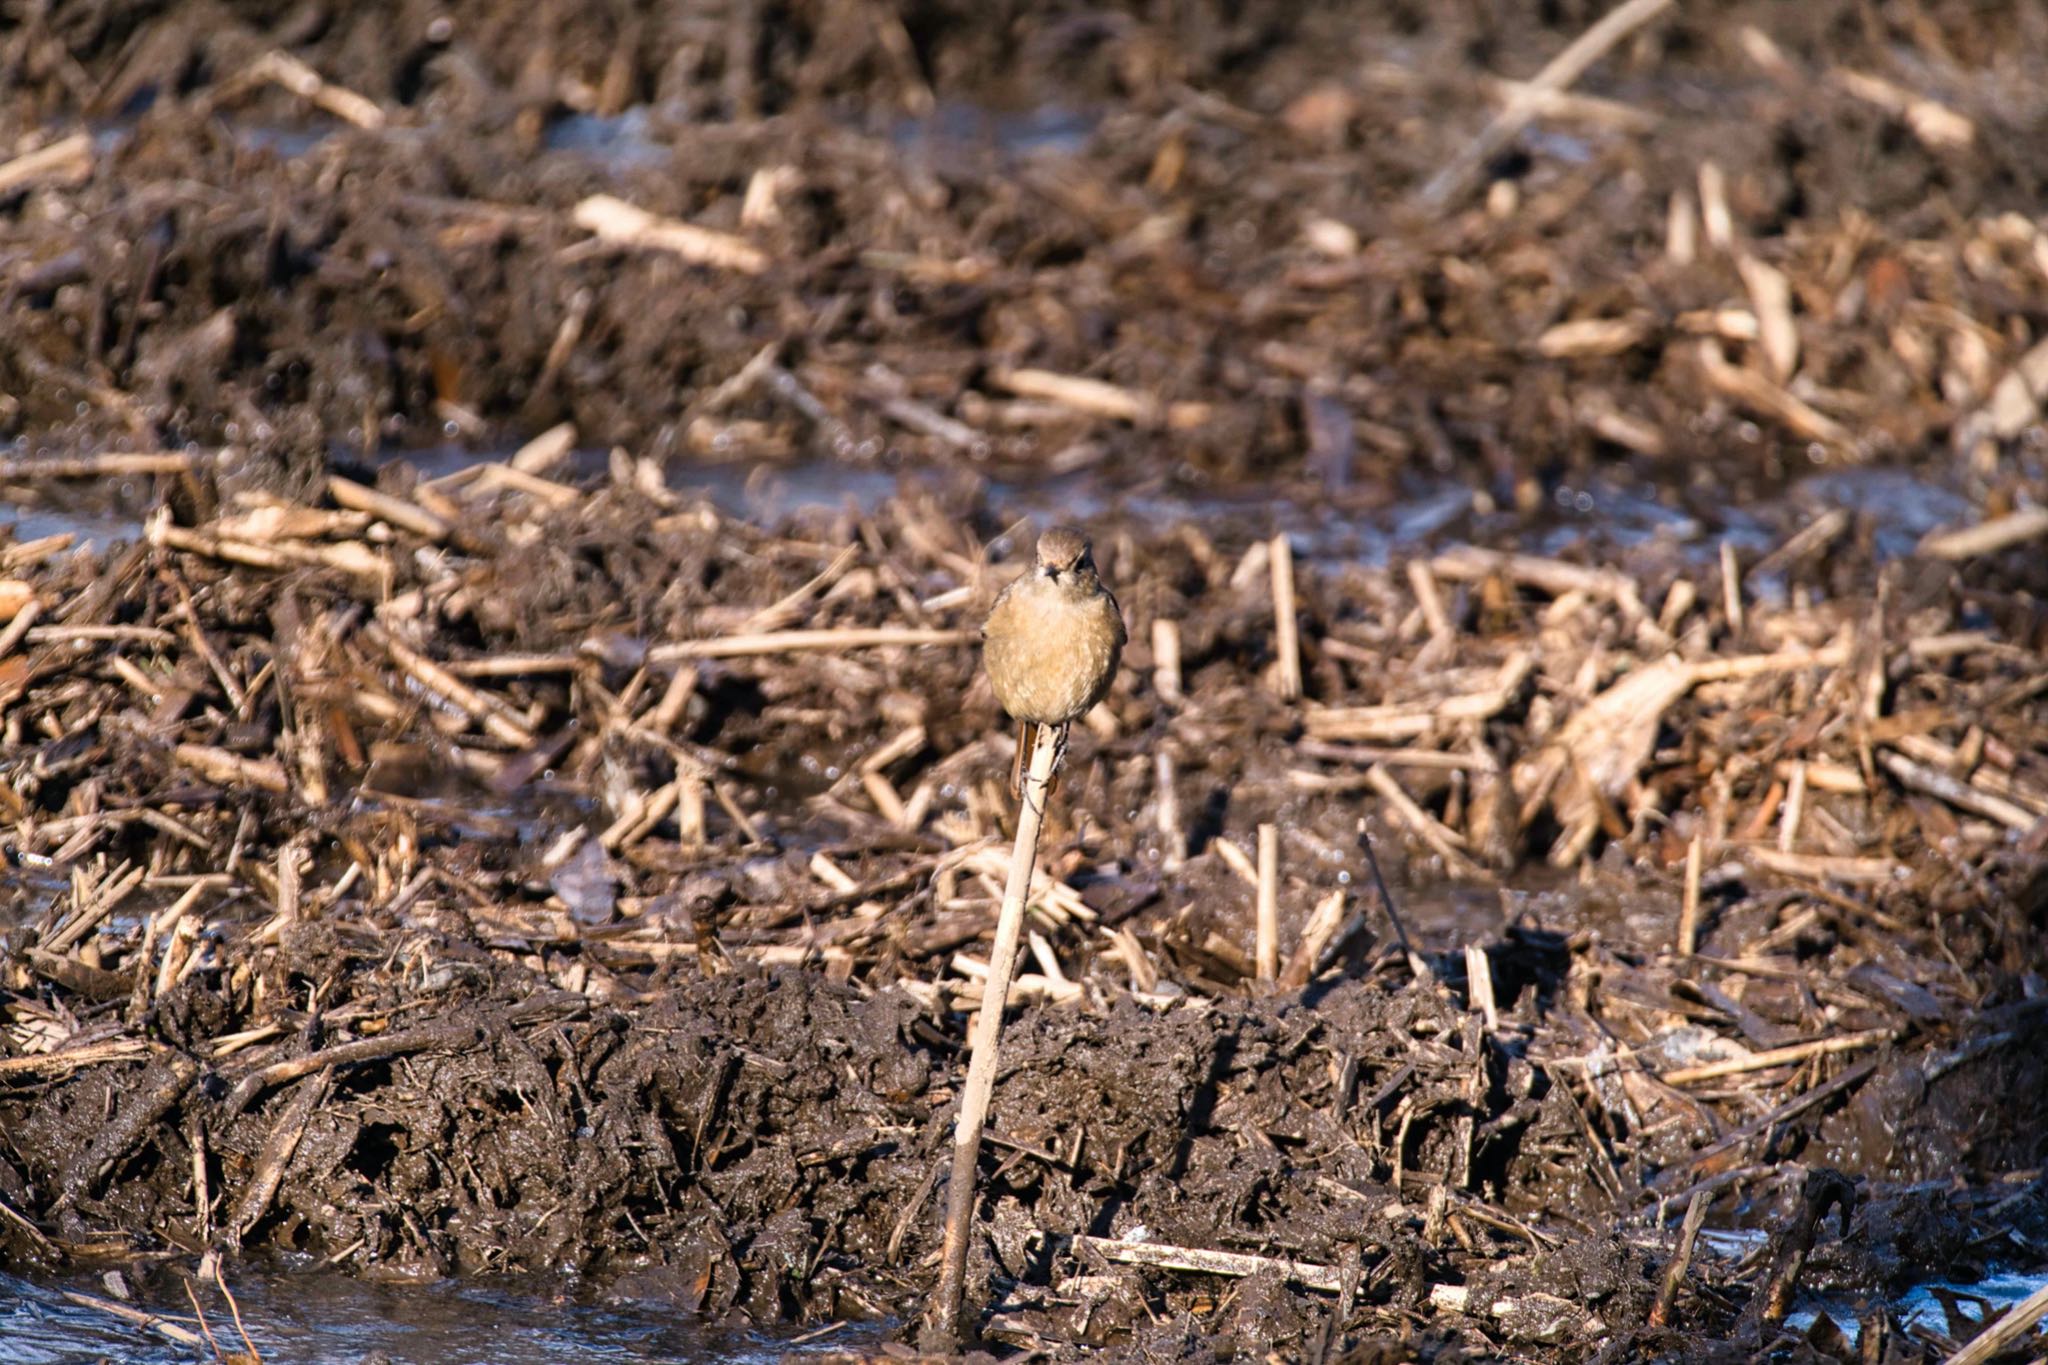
{"type": "Point", "coordinates": [1681, 1260]}
{"type": "Point", "coordinates": [1287, 634]}
{"type": "Point", "coordinates": [944, 1324]}
{"type": "Point", "coordinates": [1202, 1261]}
{"type": "Point", "coordinates": [1268, 948]}
{"type": "Point", "coordinates": [1689, 910]}
{"type": "Point", "coordinates": [2019, 1320]}
{"type": "Point", "coordinates": [1479, 985]}
{"type": "Point", "coordinates": [1173, 837]}
{"type": "Point", "coordinates": [1559, 73]}
{"type": "Point", "coordinates": [1166, 680]}
{"type": "Point", "coordinates": [1987, 537]}
{"type": "Point", "coordinates": [106, 465]}
{"type": "Point", "coordinates": [790, 641]}
{"type": "Point", "coordinates": [1731, 590]}
{"type": "Point", "coordinates": [66, 161]}
{"type": "Point", "coordinates": [406, 516]}
{"type": "Point", "coordinates": [1794, 809]}
{"type": "Point", "coordinates": [1778, 1056]}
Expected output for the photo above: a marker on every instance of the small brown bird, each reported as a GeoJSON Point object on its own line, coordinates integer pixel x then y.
{"type": "Point", "coordinates": [1052, 641]}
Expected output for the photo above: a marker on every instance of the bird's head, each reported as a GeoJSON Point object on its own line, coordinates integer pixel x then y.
{"type": "Point", "coordinates": [1064, 555]}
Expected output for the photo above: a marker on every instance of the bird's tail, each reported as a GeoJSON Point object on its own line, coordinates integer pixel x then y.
{"type": "Point", "coordinates": [1029, 737]}
{"type": "Point", "coordinates": [1026, 734]}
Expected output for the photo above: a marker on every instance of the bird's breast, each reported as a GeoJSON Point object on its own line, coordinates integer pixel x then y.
{"type": "Point", "coordinates": [1051, 656]}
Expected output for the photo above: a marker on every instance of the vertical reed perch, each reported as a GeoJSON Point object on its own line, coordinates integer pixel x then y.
{"type": "Point", "coordinates": [1051, 646]}
{"type": "Point", "coordinates": [981, 1066]}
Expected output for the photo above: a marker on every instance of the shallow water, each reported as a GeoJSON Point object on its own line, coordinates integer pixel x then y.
{"type": "Point", "coordinates": [324, 1318]}
{"type": "Point", "coordinates": [95, 529]}
{"type": "Point", "coordinates": [1920, 1304]}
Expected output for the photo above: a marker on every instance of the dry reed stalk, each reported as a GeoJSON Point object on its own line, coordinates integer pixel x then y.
{"type": "Point", "coordinates": [615, 220]}
{"type": "Point", "coordinates": [1326, 925]}
{"type": "Point", "coordinates": [1100, 399]}
{"type": "Point", "coordinates": [1166, 679]}
{"type": "Point", "coordinates": [1479, 985]}
{"type": "Point", "coordinates": [1268, 929]}
{"type": "Point", "coordinates": [1681, 1260]}
{"type": "Point", "coordinates": [1238, 861]}
{"type": "Point", "coordinates": [1867, 871]}
{"type": "Point", "coordinates": [1794, 809]}
{"type": "Point", "coordinates": [169, 1328]}
{"type": "Point", "coordinates": [1173, 837]}
{"type": "Point", "coordinates": [1682, 229]}
{"type": "Point", "coordinates": [495, 716]}
{"type": "Point", "coordinates": [1592, 337]}
{"type": "Point", "coordinates": [105, 465]}
{"type": "Point", "coordinates": [283, 69]}
{"type": "Point", "coordinates": [2017, 1321]}
{"type": "Point", "coordinates": [1287, 631]}
{"type": "Point", "coordinates": [406, 516]}
{"type": "Point", "coordinates": [17, 630]}
{"type": "Point", "coordinates": [1235, 1264]}
{"type": "Point", "coordinates": [1689, 910]}
{"type": "Point", "coordinates": [1767, 399]}
{"type": "Point", "coordinates": [67, 161]}
{"type": "Point", "coordinates": [1988, 537]}
{"type": "Point", "coordinates": [1941, 128]}
{"type": "Point", "coordinates": [231, 769]}
{"type": "Point", "coordinates": [1528, 100]}
{"type": "Point", "coordinates": [544, 451]}
{"type": "Point", "coordinates": [1731, 589]}
{"type": "Point", "coordinates": [1961, 795]}
{"type": "Point", "coordinates": [943, 1326]}
{"type": "Point", "coordinates": [349, 557]}
{"type": "Point", "coordinates": [1442, 840]}
{"type": "Point", "coordinates": [792, 641]}
{"type": "Point", "coordinates": [1777, 1056]}
{"type": "Point", "coordinates": [1714, 215]}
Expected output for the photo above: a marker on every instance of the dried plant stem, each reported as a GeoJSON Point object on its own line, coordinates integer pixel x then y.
{"type": "Point", "coordinates": [1479, 984]}
{"type": "Point", "coordinates": [2018, 1320]}
{"type": "Point", "coordinates": [1562, 70]}
{"type": "Point", "coordinates": [1681, 1260]}
{"type": "Point", "coordinates": [1173, 836]}
{"type": "Point", "coordinates": [789, 641]}
{"type": "Point", "coordinates": [1689, 908]}
{"type": "Point", "coordinates": [1287, 633]}
{"type": "Point", "coordinates": [67, 161]}
{"type": "Point", "coordinates": [944, 1324]}
{"type": "Point", "coordinates": [1268, 941]}
{"type": "Point", "coordinates": [1203, 1261]}
{"type": "Point", "coordinates": [1166, 679]}
{"type": "Point", "coordinates": [1778, 1056]}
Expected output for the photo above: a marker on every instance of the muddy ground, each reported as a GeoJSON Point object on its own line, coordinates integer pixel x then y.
{"type": "Point", "coordinates": [424, 862]}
